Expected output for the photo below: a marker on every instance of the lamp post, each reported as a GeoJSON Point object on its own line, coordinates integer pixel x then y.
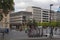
{"type": "Point", "coordinates": [51, 31]}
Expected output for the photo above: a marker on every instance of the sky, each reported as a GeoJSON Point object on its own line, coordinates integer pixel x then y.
{"type": "Point", "coordinates": [21, 5]}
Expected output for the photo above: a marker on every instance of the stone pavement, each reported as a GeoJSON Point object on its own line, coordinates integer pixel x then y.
{"type": "Point", "coordinates": [21, 35]}
{"type": "Point", "coordinates": [16, 34]}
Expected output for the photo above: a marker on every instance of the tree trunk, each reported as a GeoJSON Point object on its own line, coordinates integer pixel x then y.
{"type": "Point", "coordinates": [5, 21]}
{"type": "Point", "coordinates": [55, 30]}
{"type": "Point", "coordinates": [51, 32]}
{"type": "Point", "coordinates": [42, 32]}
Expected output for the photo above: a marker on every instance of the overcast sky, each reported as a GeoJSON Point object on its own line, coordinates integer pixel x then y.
{"type": "Point", "coordinates": [23, 4]}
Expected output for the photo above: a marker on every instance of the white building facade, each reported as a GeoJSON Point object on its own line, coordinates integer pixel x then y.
{"type": "Point", "coordinates": [41, 15]}
{"type": "Point", "coordinates": [18, 18]}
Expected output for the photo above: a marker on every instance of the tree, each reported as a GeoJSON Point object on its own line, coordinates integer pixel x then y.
{"type": "Point", "coordinates": [29, 22]}
{"type": "Point", "coordinates": [32, 23]}
{"type": "Point", "coordinates": [6, 6]}
{"type": "Point", "coordinates": [44, 25]}
{"type": "Point", "coordinates": [53, 24]}
{"type": "Point", "coordinates": [24, 22]}
{"type": "Point", "coordinates": [58, 23]}
{"type": "Point", "coordinates": [35, 23]}
{"type": "Point", "coordinates": [47, 24]}
{"type": "Point", "coordinates": [1, 16]}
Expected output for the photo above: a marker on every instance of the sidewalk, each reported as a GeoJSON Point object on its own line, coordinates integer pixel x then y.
{"type": "Point", "coordinates": [43, 38]}
{"type": "Point", "coordinates": [17, 35]}
{"type": "Point", "coordinates": [36, 38]}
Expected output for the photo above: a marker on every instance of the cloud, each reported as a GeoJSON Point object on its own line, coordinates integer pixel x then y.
{"type": "Point", "coordinates": [42, 1]}
{"type": "Point", "coordinates": [19, 9]}
{"type": "Point", "coordinates": [23, 4]}
{"type": "Point", "coordinates": [55, 1]}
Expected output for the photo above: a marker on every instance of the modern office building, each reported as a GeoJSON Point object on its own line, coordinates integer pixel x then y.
{"type": "Point", "coordinates": [45, 15]}
{"type": "Point", "coordinates": [41, 15]}
{"type": "Point", "coordinates": [18, 18]}
{"type": "Point", "coordinates": [36, 12]}
{"type": "Point", "coordinates": [58, 14]}
{"type": "Point", "coordinates": [32, 12]}
{"type": "Point", "coordinates": [54, 16]}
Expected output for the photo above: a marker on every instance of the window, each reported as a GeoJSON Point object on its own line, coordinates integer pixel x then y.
{"type": "Point", "coordinates": [24, 18]}
{"type": "Point", "coordinates": [45, 16]}
{"type": "Point", "coordinates": [45, 11]}
{"type": "Point", "coordinates": [45, 20]}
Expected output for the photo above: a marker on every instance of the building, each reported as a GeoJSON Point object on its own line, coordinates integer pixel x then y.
{"type": "Point", "coordinates": [53, 16]}
{"type": "Point", "coordinates": [58, 14]}
{"type": "Point", "coordinates": [41, 15]}
{"type": "Point", "coordinates": [18, 18]}
{"type": "Point", "coordinates": [45, 17]}
{"type": "Point", "coordinates": [36, 12]}
{"type": "Point", "coordinates": [32, 13]}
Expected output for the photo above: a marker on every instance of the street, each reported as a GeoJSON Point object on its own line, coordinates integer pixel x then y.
{"type": "Point", "coordinates": [13, 34]}
{"type": "Point", "coordinates": [17, 35]}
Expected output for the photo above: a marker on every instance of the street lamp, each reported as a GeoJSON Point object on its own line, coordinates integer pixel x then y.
{"type": "Point", "coordinates": [51, 31]}
{"type": "Point", "coordinates": [50, 11]}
